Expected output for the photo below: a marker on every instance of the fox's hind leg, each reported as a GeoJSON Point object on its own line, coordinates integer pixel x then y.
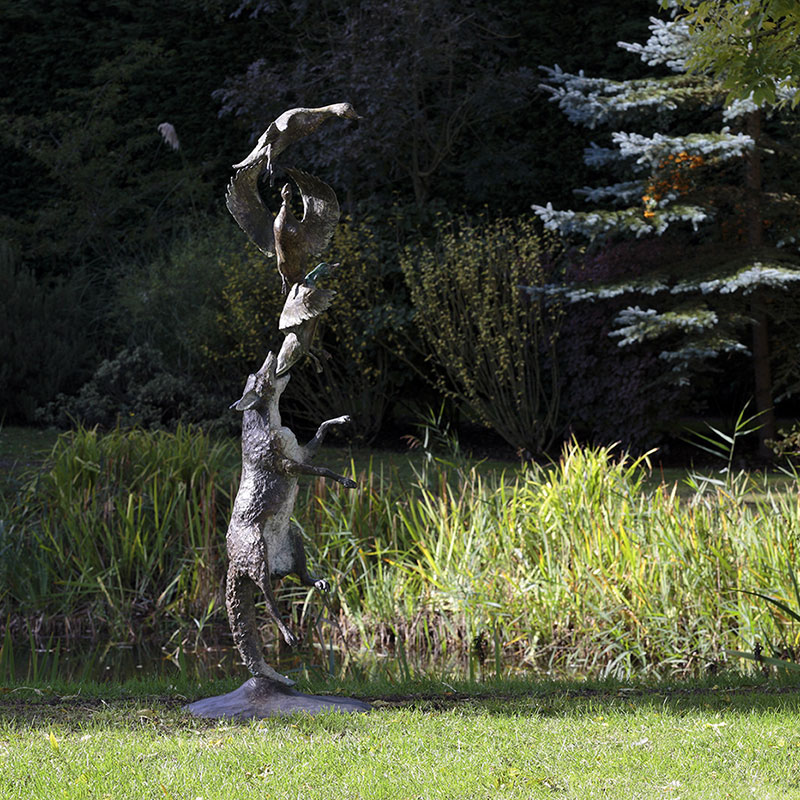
{"type": "Point", "coordinates": [262, 580]}
{"type": "Point", "coordinates": [239, 595]}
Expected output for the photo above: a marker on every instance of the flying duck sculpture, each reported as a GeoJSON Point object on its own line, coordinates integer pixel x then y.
{"type": "Point", "coordinates": [288, 128]}
{"type": "Point", "coordinates": [246, 205]}
{"type": "Point", "coordinates": [299, 318]}
{"type": "Point", "coordinates": [293, 241]}
{"type": "Point", "coordinates": [297, 241]}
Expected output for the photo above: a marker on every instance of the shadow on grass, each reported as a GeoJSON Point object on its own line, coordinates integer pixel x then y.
{"type": "Point", "coordinates": [133, 704]}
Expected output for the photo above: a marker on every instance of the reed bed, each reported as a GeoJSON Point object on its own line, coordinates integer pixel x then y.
{"type": "Point", "coordinates": [118, 532]}
{"type": "Point", "coordinates": [573, 566]}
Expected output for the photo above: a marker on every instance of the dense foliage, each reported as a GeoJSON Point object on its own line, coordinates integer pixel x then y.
{"type": "Point", "coordinates": [493, 348]}
{"type": "Point", "coordinates": [122, 240]}
{"type": "Point", "coordinates": [750, 44]}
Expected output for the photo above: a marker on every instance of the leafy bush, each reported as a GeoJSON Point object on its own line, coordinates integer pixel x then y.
{"type": "Point", "coordinates": [171, 302]}
{"type": "Point", "coordinates": [358, 333]}
{"type": "Point", "coordinates": [493, 347]}
{"type": "Point", "coordinates": [787, 443]}
{"type": "Point", "coordinates": [361, 334]}
{"type": "Point", "coordinates": [133, 389]}
{"type": "Point", "coordinates": [247, 313]}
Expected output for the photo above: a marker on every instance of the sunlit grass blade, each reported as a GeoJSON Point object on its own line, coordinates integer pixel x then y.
{"type": "Point", "coordinates": [795, 615]}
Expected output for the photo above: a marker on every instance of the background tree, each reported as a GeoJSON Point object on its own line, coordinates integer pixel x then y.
{"type": "Point", "coordinates": [428, 77]}
{"type": "Point", "coordinates": [750, 45]}
{"type": "Point", "coordinates": [107, 173]}
{"type": "Point", "coordinates": [83, 95]}
{"type": "Point", "coordinates": [706, 189]}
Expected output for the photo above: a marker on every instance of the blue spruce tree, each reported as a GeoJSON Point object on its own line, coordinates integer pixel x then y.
{"type": "Point", "coordinates": [719, 192]}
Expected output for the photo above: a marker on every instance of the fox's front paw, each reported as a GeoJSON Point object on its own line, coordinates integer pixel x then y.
{"type": "Point", "coordinates": [290, 638]}
{"type": "Point", "coordinates": [322, 585]}
{"type": "Point", "coordinates": [348, 483]}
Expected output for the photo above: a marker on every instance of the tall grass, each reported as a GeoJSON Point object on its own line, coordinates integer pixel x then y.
{"type": "Point", "coordinates": [573, 566]}
{"type": "Point", "coordinates": [578, 566]}
{"type": "Point", "coordinates": [118, 530]}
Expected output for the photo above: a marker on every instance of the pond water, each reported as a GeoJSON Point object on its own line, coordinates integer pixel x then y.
{"type": "Point", "coordinates": [118, 662]}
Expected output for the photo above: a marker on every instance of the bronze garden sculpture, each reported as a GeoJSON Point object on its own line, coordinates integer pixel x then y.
{"type": "Point", "coordinates": [297, 241]}
{"type": "Point", "coordinates": [288, 128]}
{"type": "Point", "coordinates": [263, 542]}
{"type": "Point", "coordinates": [306, 301]}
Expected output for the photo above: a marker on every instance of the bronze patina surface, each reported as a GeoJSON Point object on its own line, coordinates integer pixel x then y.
{"type": "Point", "coordinates": [263, 542]}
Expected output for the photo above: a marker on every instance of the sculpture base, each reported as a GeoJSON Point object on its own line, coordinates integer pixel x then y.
{"type": "Point", "coordinates": [258, 698]}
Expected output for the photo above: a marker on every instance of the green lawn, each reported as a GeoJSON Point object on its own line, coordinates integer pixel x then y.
{"type": "Point", "coordinates": [20, 444]}
{"type": "Point", "coordinates": [734, 740]}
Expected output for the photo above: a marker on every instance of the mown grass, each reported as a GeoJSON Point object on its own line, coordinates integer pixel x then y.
{"type": "Point", "coordinates": [585, 565]}
{"type": "Point", "coordinates": [509, 740]}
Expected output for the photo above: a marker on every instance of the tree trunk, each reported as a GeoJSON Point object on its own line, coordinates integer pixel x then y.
{"type": "Point", "coordinates": [762, 372]}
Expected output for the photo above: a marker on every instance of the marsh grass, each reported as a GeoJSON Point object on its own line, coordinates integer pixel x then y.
{"type": "Point", "coordinates": [117, 529]}
{"type": "Point", "coordinates": [584, 565]}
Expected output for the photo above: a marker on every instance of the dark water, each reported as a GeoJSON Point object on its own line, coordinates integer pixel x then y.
{"type": "Point", "coordinates": [113, 662]}
{"type": "Point", "coordinates": [117, 662]}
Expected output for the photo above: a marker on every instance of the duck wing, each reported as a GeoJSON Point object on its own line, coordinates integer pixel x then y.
{"type": "Point", "coordinates": [320, 212]}
{"type": "Point", "coordinates": [303, 303]}
{"type": "Point", "coordinates": [245, 204]}
{"type": "Point", "coordinates": [259, 153]}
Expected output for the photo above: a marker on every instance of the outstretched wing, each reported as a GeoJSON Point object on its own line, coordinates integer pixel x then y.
{"type": "Point", "coordinates": [302, 303]}
{"type": "Point", "coordinates": [259, 153]}
{"type": "Point", "coordinates": [248, 209]}
{"type": "Point", "coordinates": [320, 211]}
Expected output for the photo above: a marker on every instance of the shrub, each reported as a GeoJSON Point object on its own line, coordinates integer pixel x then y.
{"type": "Point", "coordinates": [133, 389]}
{"type": "Point", "coordinates": [358, 333]}
{"type": "Point", "coordinates": [247, 313]}
{"type": "Point", "coordinates": [492, 346]}
{"type": "Point", "coordinates": [170, 302]}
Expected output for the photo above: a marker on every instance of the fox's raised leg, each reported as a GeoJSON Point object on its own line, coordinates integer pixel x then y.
{"type": "Point", "coordinates": [310, 450]}
{"type": "Point", "coordinates": [290, 467]}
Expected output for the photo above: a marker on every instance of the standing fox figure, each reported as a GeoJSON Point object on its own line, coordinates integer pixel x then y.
{"type": "Point", "coordinates": [263, 542]}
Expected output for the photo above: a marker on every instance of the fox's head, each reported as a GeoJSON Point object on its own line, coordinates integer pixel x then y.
{"type": "Point", "coordinates": [262, 386]}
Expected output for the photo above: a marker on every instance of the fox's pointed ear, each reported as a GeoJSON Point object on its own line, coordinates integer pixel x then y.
{"type": "Point", "coordinates": [246, 401]}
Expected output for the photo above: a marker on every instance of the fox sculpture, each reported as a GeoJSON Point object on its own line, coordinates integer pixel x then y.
{"type": "Point", "coordinates": [263, 542]}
